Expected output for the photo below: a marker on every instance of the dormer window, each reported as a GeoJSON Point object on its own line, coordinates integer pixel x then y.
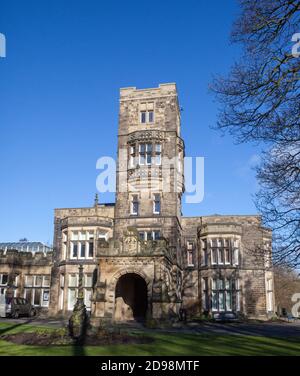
{"type": "Point", "coordinates": [147, 112]}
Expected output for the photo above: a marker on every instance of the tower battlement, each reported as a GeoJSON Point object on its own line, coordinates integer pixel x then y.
{"type": "Point", "coordinates": [134, 93]}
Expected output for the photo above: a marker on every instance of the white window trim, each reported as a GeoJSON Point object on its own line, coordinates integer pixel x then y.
{"type": "Point", "coordinates": [147, 153]}
{"type": "Point", "coordinates": [45, 303]}
{"type": "Point", "coordinates": [24, 294]}
{"type": "Point", "coordinates": [227, 262]}
{"type": "Point", "coordinates": [156, 154]}
{"type": "Point", "coordinates": [144, 155]}
{"type": "Point", "coordinates": [190, 245]}
{"type": "Point", "coordinates": [64, 250]}
{"type": "Point", "coordinates": [62, 280]}
{"type": "Point", "coordinates": [33, 291]}
{"type": "Point", "coordinates": [214, 262]}
{"type": "Point", "coordinates": [86, 276]}
{"type": "Point", "coordinates": [65, 236]}
{"type": "Point", "coordinates": [76, 283]}
{"type": "Point", "coordinates": [85, 291]}
{"type": "Point", "coordinates": [141, 113]}
{"type": "Point", "coordinates": [148, 116]}
{"type": "Point", "coordinates": [156, 212]}
{"type": "Point", "coordinates": [1, 279]}
{"type": "Point", "coordinates": [148, 107]}
{"type": "Point", "coordinates": [88, 249]}
{"type": "Point", "coordinates": [190, 252]}
{"type": "Point", "coordinates": [35, 279]}
{"type": "Point", "coordinates": [224, 300]}
{"type": "Point", "coordinates": [75, 235]}
{"type": "Point", "coordinates": [145, 232]}
{"type": "Point", "coordinates": [79, 250]}
{"type": "Point", "coordinates": [132, 156]}
{"type": "Point", "coordinates": [43, 281]}
{"type": "Point", "coordinates": [220, 250]}
{"type": "Point", "coordinates": [61, 298]}
{"type": "Point", "coordinates": [236, 256]}
{"type": "Point", "coordinates": [73, 242]}
{"type": "Point", "coordinates": [238, 300]}
{"type": "Point", "coordinates": [76, 294]}
{"type": "Point", "coordinates": [26, 280]}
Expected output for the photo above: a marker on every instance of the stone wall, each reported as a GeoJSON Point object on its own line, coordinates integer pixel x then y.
{"type": "Point", "coordinates": [19, 264]}
{"type": "Point", "coordinates": [252, 271]}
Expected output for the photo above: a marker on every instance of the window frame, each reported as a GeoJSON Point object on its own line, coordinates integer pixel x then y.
{"type": "Point", "coordinates": [132, 156]}
{"type": "Point", "coordinates": [134, 200]}
{"type": "Point", "coordinates": [1, 279]}
{"type": "Point", "coordinates": [228, 290]}
{"type": "Point", "coordinates": [190, 256]}
{"type": "Point", "coordinates": [145, 233]}
{"type": "Point", "coordinates": [155, 202]}
{"type": "Point", "coordinates": [147, 113]}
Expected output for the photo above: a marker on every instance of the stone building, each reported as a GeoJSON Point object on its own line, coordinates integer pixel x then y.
{"type": "Point", "coordinates": [26, 274]}
{"type": "Point", "coordinates": [143, 259]}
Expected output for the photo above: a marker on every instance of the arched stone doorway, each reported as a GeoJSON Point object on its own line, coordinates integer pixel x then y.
{"type": "Point", "coordinates": [131, 298]}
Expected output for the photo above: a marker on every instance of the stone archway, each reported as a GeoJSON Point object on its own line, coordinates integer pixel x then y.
{"type": "Point", "coordinates": [131, 298]}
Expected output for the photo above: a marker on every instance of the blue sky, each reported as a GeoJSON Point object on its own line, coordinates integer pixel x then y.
{"type": "Point", "coordinates": [66, 61]}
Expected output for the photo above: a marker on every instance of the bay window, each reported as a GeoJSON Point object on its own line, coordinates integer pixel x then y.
{"type": "Point", "coordinates": [145, 154]}
{"type": "Point", "coordinates": [82, 245]}
{"type": "Point", "coordinates": [148, 154]}
{"type": "Point", "coordinates": [157, 154]}
{"type": "Point", "coordinates": [223, 291]}
{"type": "Point", "coordinates": [73, 290]}
{"type": "Point", "coordinates": [223, 251]}
{"type": "Point", "coordinates": [132, 156]}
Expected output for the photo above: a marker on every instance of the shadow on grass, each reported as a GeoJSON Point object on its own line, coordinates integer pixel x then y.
{"type": "Point", "coordinates": [78, 347]}
{"type": "Point", "coordinates": [12, 327]}
{"type": "Point", "coordinates": [229, 345]}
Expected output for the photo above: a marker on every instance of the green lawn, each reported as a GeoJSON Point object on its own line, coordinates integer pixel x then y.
{"type": "Point", "coordinates": [164, 344]}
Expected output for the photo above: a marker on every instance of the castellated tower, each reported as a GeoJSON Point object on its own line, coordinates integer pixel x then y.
{"type": "Point", "coordinates": [150, 164]}
{"type": "Point", "coordinates": [147, 228]}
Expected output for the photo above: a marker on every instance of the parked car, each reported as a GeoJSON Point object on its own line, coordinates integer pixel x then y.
{"type": "Point", "coordinates": [225, 316]}
{"type": "Point", "coordinates": [16, 307]}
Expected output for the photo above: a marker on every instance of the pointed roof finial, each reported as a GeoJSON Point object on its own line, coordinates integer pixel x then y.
{"type": "Point", "coordinates": [96, 199]}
